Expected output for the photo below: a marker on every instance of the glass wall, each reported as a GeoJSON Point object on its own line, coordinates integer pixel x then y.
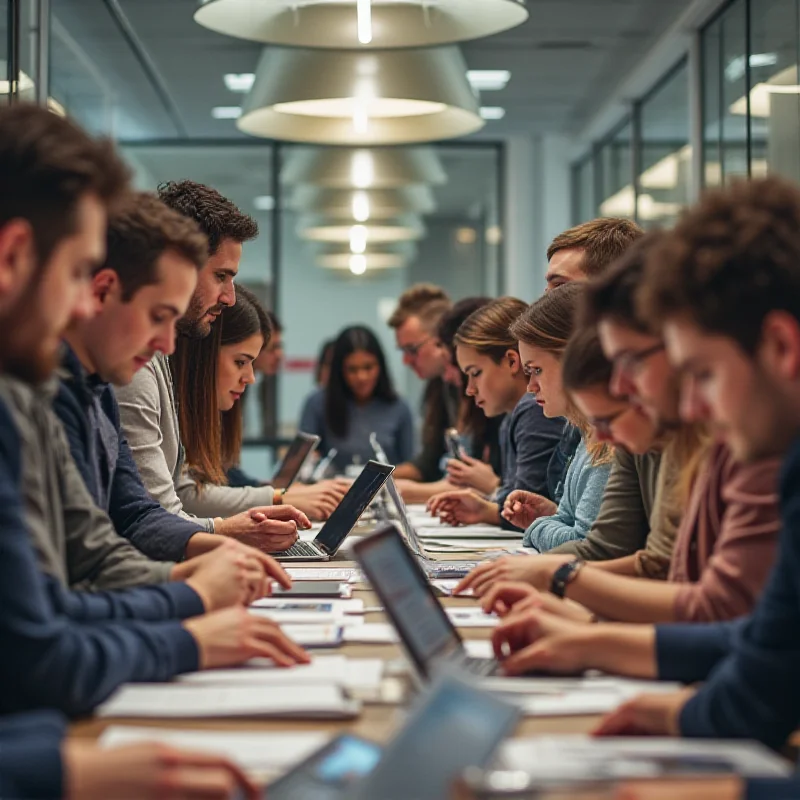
{"type": "Point", "coordinates": [614, 173]}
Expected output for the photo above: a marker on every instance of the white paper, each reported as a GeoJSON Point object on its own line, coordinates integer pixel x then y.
{"type": "Point", "coordinates": [371, 633]}
{"type": "Point", "coordinates": [623, 688]}
{"type": "Point", "coordinates": [471, 618]}
{"type": "Point", "coordinates": [587, 758]}
{"type": "Point", "coordinates": [346, 575]}
{"type": "Point", "coordinates": [467, 532]}
{"type": "Point", "coordinates": [308, 610]}
{"type": "Point", "coordinates": [253, 752]}
{"type": "Point", "coordinates": [446, 586]}
{"type": "Point", "coordinates": [467, 546]}
{"type": "Point", "coordinates": [312, 701]}
{"type": "Point", "coordinates": [351, 673]}
{"type": "Point", "coordinates": [314, 635]}
{"type": "Point", "coordinates": [479, 648]}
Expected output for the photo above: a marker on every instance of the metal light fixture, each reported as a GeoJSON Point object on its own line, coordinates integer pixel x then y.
{"type": "Point", "coordinates": [363, 168]}
{"type": "Point", "coordinates": [359, 264]}
{"type": "Point", "coordinates": [362, 205]}
{"type": "Point", "coordinates": [360, 236]}
{"type": "Point", "coordinates": [361, 97]}
{"type": "Point", "coordinates": [375, 24]}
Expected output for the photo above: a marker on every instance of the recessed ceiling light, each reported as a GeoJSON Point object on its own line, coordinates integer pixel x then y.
{"type": "Point", "coordinates": [488, 80]}
{"type": "Point", "coordinates": [264, 202]}
{"type": "Point", "coordinates": [492, 112]}
{"type": "Point", "coordinates": [226, 112]}
{"type": "Point", "coordinates": [241, 82]}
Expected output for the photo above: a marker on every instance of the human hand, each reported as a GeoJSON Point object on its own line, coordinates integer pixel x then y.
{"type": "Point", "coordinates": [318, 501]}
{"type": "Point", "coordinates": [534, 570]}
{"type": "Point", "coordinates": [648, 714]}
{"type": "Point", "coordinates": [473, 473]}
{"type": "Point", "coordinates": [149, 771]}
{"type": "Point", "coordinates": [463, 507]}
{"type": "Point", "coordinates": [524, 508]}
{"type": "Point", "coordinates": [232, 636]}
{"type": "Point", "coordinates": [535, 640]}
{"type": "Point", "coordinates": [270, 529]}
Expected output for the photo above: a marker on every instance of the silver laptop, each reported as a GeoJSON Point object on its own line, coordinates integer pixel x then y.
{"type": "Point", "coordinates": [430, 639]}
{"type": "Point", "coordinates": [343, 519]}
{"type": "Point", "coordinates": [433, 569]}
{"type": "Point", "coordinates": [296, 456]}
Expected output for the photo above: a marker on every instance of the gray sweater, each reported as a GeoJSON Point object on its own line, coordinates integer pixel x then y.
{"type": "Point", "coordinates": [75, 541]}
{"type": "Point", "coordinates": [149, 415]}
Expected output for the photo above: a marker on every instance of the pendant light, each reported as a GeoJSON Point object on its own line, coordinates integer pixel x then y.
{"type": "Point", "coordinates": [363, 168]}
{"type": "Point", "coordinates": [361, 97]}
{"type": "Point", "coordinates": [375, 24]}
{"type": "Point", "coordinates": [360, 236]}
{"type": "Point", "coordinates": [362, 205]}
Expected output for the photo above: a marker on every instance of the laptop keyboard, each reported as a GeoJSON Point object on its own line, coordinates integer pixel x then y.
{"type": "Point", "coordinates": [479, 666]}
{"type": "Point", "coordinates": [299, 549]}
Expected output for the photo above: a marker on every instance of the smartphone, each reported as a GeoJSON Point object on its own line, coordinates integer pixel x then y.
{"type": "Point", "coordinates": [455, 446]}
{"type": "Point", "coordinates": [315, 589]}
{"type": "Point", "coordinates": [329, 773]}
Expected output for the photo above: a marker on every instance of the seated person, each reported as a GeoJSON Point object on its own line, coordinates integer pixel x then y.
{"type": "Point", "coordinates": [143, 286]}
{"type": "Point", "coordinates": [358, 401]}
{"type": "Point", "coordinates": [489, 356]}
{"type": "Point", "coordinates": [70, 650]}
{"type": "Point", "coordinates": [731, 323]}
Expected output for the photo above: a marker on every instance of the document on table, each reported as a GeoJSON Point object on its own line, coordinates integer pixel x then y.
{"type": "Point", "coordinates": [315, 635]}
{"type": "Point", "coordinates": [345, 575]}
{"type": "Point", "coordinates": [371, 633]}
{"type": "Point", "coordinates": [468, 532]}
{"type": "Point", "coordinates": [446, 586]}
{"type": "Point", "coordinates": [306, 701]}
{"type": "Point", "coordinates": [587, 758]}
{"type": "Point", "coordinates": [472, 618]}
{"type": "Point", "coordinates": [253, 752]}
{"type": "Point", "coordinates": [351, 673]}
{"type": "Point", "coordinates": [309, 610]}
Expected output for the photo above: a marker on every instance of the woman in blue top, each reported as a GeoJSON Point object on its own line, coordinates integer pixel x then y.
{"type": "Point", "coordinates": [359, 400]}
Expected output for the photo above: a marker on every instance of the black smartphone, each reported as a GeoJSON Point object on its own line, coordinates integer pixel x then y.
{"type": "Point", "coordinates": [454, 445]}
{"type": "Point", "coordinates": [314, 589]}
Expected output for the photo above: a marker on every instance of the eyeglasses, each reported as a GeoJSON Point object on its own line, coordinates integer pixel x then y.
{"type": "Point", "coordinates": [412, 350]}
{"type": "Point", "coordinates": [603, 425]}
{"type": "Point", "coordinates": [632, 363]}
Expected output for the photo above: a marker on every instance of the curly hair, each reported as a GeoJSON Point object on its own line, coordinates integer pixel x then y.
{"type": "Point", "coordinates": [729, 261]}
{"type": "Point", "coordinates": [140, 232]}
{"type": "Point", "coordinates": [604, 240]}
{"type": "Point", "coordinates": [217, 216]}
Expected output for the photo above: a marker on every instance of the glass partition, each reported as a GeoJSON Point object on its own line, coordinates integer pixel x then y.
{"type": "Point", "coordinates": [615, 174]}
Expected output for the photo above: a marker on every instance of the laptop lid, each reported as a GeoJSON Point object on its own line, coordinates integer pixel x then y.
{"type": "Point", "coordinates": [299, 450]}
{"type": "Point", "coordinates": [352, 506]}
{"type": "Point", "coordinates": [406, 528]}
{"type": "Point", "coordinates": [380, 453]}
{"type": "Point", "coordinates": [457, 726]}
{"type": "Point", "coordinates": [397, 579]}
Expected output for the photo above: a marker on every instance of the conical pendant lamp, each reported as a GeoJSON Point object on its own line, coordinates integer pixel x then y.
{"type": "Point", "coordinates": [374, 24]}
{"type": "Point", "coordinates": [363, 168]}
{"type": "Point", "coordinates": [352, 97]}
{"type": "Point", "coordinates": [363, 205]}
{"type": "Point", "coordinates": [360, 236]}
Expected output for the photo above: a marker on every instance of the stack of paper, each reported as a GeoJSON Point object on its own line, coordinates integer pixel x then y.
{"type": "Point", "coordinates": [345, 575]}
{"type": "Point", "coordinates": [253, 752]}
{"type": "Point", "coordinates": [303, 701]}
{"type": "Point", "coordinates": [350, 673]}
{"type": "Point", "coordinates": [575, 758]}
{"type": "Point", "coordinates": [310, 611]}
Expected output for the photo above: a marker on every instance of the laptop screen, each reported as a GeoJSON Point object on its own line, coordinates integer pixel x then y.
{"type": "Point", "coordinates": [297, 453]}
{"type": "Point", "coordinates": [407, 529]}
{"type": "Point", "coordinates": [397, 579]}
{"type": "Point", "coordinates": [348, 512]}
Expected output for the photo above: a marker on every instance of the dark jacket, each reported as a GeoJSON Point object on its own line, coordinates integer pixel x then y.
{"type": "Point", "coordinates": [106, 464]}
{"type": "Point", "coordinates": [30, 756]}
{"type": "Point", "coordinates": [66, 650]}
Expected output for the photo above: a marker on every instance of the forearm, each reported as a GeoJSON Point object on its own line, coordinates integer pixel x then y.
{"type": "Point", "coordinates": [624, 599]}
{"type": "Point", "coordinates": [408, 471]}
{"type": "Point", "coordinates": [621, 649]}
{"type": "Point", "coordinates": [202, 543]}
{"type": "Point", "coordinates": [222, 501]}
{"type": "Point", "coordinates": [617, 566]}
{"type": "Point", "coordinates": [414, 492]}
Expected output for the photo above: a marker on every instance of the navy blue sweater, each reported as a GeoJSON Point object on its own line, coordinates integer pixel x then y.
{"type": "Point", "coordinates": [106, 464]}
{"type": "Point", "coordinates": [69, 651]}
{"type": "Point", "coordinates": [752, 665]}
{"type": "Point", "coordinates": [30, 757]}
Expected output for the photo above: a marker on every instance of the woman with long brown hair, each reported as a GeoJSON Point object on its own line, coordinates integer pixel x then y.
{"type": "Point", "coordinates": [489, 357]}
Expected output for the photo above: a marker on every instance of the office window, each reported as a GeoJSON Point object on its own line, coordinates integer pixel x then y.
{"type": "Point", "coordinates": [666, 155]}
{"type": "Point", "coordinates": [614, 174]}
{"type": "Point", "coordinates": [583, 198]}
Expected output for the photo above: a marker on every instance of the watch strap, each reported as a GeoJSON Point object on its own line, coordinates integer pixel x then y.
{"type": "Point", "coordinates": [564, 575]}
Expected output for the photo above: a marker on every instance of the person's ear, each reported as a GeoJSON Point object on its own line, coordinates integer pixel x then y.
{"type": "Point", "coordinates": [514, 361]}
{"type": "Point", "coordinates": [105, 285]}
{"type": "Point", "coordinates": [17, 260]}
{"type": "Point", "coordinates": [779, 348]}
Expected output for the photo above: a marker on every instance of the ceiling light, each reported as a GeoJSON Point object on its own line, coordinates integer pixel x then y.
{"type": "Point", "coordinates": [358, 264]}
{"type": "Point", "coordinates": [226, 112]}
{"type": "Point", "coordinates": [492, 112]}
{"type": "Point", "coordinates": [361, 97]}
{"type": "Point", "coordinates": [363, 204]}
{"type": "Point", "coordinates": [736, 66]}
{"type": "Point", "coordinates": [488, 80]}
{"type": "Point", "coordinates": [241, 82]}
{"type": "Point", "coordinates": [344, 23]}
{"type": "Point", "coordinates": [377, 167]}
{"type": "Point", "coordinates": [401, 229]}
{"type": "Point", "coordinates": [265, 202]}
{"type": "Point", "coordinates": [466, 236]}
{"type": "Point", "coordinates": [494, 234]}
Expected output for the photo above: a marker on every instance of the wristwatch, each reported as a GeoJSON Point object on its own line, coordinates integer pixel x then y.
{"type": "Point", "coordinates": [564, 576]}
{"type": "Point", "coordinates": [277, 497]}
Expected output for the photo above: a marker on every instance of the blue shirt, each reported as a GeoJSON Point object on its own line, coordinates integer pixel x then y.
{"type": "Point", "coordinates": [390, 421]}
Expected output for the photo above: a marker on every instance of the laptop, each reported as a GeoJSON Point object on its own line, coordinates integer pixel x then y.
{"type": "Point", "coordinates": [343, 519]}
{"type": "Point", "coordinates": [430, 639]}
{"type": "Point", "coordinates": [433, 569]}
{"type": "Point", "coordinates": [299, 450]}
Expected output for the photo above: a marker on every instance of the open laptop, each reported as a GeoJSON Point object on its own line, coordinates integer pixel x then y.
{"type": "Point", "coordinates": [425, 630]}
{"type": "Point", "coordinates": [299, 450]}
{"type": "Point", "coordinates": [343, 519]}
{"type": "Point", "coordinates": [433, 569]}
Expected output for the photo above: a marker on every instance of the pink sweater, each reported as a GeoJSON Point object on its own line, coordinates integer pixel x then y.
{"type": "Point", "coordinates": [727, 540]}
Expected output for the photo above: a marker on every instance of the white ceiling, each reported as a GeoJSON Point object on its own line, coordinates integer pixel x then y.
{"type": "Point", "coordinates": [565, 61]}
